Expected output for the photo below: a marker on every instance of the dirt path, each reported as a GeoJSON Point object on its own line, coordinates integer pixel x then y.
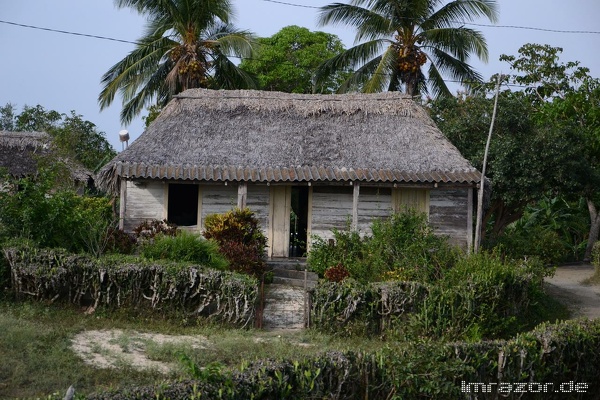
{"type": "Point", "coordinates": [568, 287]}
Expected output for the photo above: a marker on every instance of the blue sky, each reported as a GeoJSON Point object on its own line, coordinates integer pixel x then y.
{"type": "Point", "coordinates": [62, 72]}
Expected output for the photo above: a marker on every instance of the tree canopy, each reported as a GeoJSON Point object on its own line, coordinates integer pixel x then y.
{"type": "Point", "coordinates": [186, 45]}
{"type": "Point", "coordinates": [287, 61]}
{"type": "Point", "coordinates": [75, 137]}
{"type": "Point", "coordinates": [397, 38]}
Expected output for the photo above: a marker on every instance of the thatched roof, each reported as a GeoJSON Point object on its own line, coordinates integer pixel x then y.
{"type": "Point", "coordinates": [244, 135]}
{"type": "Point", "coordinates": [21, 151]}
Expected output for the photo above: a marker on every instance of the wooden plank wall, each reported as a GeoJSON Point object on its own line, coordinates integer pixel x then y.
{"type": "Point", "coordinates": [217, 199]}
{"type": "Point", "coordinates": [258, 201]}
{"type": "Point", "coordinates": [331, 208]}
{"type": "Point", "coordinates": [373, 203]}
{"type": "Point", "coordinates": [448, 214]}
{"type": "Point", "coordinates": [143, 203]}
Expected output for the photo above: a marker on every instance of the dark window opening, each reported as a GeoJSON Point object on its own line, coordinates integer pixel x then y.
{"type": "Point", "coordinates": [183, 204]}
{"type": "Point", "coordinates": [299, 221]}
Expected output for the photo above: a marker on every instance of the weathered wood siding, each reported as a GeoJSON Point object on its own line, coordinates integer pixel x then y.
{"type": "Point", "coordinates": [258, 201]}
{"type": "Point", "coordinates": [217, 200]}
{"type": "Point", "coordinates": [143, 203]}
{"type": "Point", "coordinates": [448, 214]}
{"type": "Point", "coordinates": [411, 198]}
{"type": "Point", "coordinates": [331, 208]}
{"type": "Point", "coordinates": [373, 203]}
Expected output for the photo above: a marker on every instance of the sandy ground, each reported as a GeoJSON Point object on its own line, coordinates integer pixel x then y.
{"type": "Point", "coordinates": [568, 287]}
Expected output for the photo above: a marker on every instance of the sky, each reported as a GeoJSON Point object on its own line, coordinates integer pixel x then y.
{"type": "Point", "coordinates": [62, 72]}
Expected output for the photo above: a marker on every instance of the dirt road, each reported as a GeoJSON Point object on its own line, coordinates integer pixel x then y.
{"type": "Point", "coordinates": [568, 287]}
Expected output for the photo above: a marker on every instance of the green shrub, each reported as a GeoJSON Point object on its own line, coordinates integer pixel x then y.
{"type": "Point", "coordinates": [147, 230]}
{"type": "Point", "coordinates": [596, 255]}
{"type": "Point", "coordinates": [55, 216]}
{"type": "Point", "coordinates": [483, 296]}
{"type": "Point", "coordinates": [240, 240]}
{"type": "Point", "coordinates": [185, 247]}
{"type": "Point", "coordinates": [402, 247]}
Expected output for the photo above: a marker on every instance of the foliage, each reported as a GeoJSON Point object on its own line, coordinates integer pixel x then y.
{"type": "Point", "coordinates": [240, 239]}
{"type": "Point", "coordinates": [54, 216]}
{"type": "Point", "coordinates": [120, 242]}
{"type": "Point", "coordinates": [148, 230]}
{"type": "Point", "coordinates": [482, 296]}
{"type": "Point", "coordinates": [337, 273]}
{"type": "Point", "coordinates": [399, 37]}
{"type": "Point", "coordinates": [186, 44]}
{"type": "Point", "coordinates": [185, 247]}
{"type": "Point", "coordinates": [73, 137]}
{"type": "Point", "coordinates": [287, 61]}
{"type": "Point", "coordinates": [554, 230]}
{"type": "Point", "coordinates": [526, 160]}
{"type": "Point", "coordinates": [567, 98]}
{"type": "Point", "coordinates": [117, 282]}
{"type": "Point", "coordinates": [402, 247]}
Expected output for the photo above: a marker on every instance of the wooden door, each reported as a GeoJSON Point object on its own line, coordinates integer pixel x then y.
{"type": "Point", "coordinates": [279, 232]}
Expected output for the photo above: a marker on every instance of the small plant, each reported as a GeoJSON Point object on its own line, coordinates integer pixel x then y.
{"type": "Point", "coordinates": [185, 247]}
{"type": "Point", "coordinates": [337, 273]}
{"type": "Point", "coordinates": [147, 230]}
{"type": "Point", "coordinates": [240, 240]}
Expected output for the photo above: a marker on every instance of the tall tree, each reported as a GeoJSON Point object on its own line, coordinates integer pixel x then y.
{"type": "Point", "coordinates": [287, 61]}
{"type": "Point", "coordinates": [186, 45]}
{"type": "Point", "coordinates": [526, 160]}
{"type": "Point", "coordinates": [566, 97]}
{"type": "Point", "coordinates": [73, 136]}
{"type": "Point", "coordinates": [401, 36]}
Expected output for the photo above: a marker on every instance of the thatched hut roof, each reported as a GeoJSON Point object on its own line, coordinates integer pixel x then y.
{"type": "Point", "coordinates": [245, 135]}
{"type": "Point", "coordinates": [21, 151]}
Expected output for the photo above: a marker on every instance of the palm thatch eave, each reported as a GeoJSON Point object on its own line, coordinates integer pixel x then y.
{"type": "Point", "coordinates": [246, 135]}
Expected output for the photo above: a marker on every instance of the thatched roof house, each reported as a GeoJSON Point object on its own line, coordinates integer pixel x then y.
{"type": "Point", "coordinates": [21, 152]}
{"type": "Point", "coordinates": [329, 158]}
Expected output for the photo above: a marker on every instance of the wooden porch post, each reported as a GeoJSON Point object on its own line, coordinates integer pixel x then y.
{"type": "Point", "coordinates": [355, 196]}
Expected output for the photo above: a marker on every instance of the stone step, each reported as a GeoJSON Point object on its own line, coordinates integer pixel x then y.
{"type": "Point", "coordinates": [284, 307]}
{"type": "Point", "coordinates": [290, 273]}
{"type": "Point", "coordinates": [286, 263]}
{"type": "Point", "coordinates": [280, 280]}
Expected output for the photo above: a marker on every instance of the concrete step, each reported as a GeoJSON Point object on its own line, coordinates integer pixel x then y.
{"type": "Point", "coordinates": [287, 263]}
{"type": "Point", "coordinates": [290, 273]}
{"type": "Point", "coordinates": [280, 280]}
{"type": "Point", "coordinates": [284, 307]}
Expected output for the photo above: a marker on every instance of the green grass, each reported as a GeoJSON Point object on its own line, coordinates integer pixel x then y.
{"type": "Point", "coordinates": [37, 359]}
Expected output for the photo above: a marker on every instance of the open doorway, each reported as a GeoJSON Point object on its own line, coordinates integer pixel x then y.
{"type": "Point", "coordinates": [183, 204]}
{"type": "Point", "coordinates": [299, 221]}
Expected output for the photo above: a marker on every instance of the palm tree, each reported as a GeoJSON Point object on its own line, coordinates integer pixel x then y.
{"type": "Point", "coordinates": [401, 36]}
{"type": "Point", "coordinates": [186, 45]}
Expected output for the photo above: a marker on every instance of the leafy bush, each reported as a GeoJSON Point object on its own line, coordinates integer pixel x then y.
{"type": "Point", "coordinates": [120, 242]}
{"type": "Point", "coordinates": [240, 240]}
{"type": "Point", "coordinates": [147, 230]}
{"type": "Point", "coordinates": [337, 273]}
{"type": "Point", "coordinates": [185, 247]}
{"type": "Point", "coordinates": [55, 216]}
{"type": "Point", "coordinates": [402, 247]}
{"type": "Point", "coordinates": [483, 296]}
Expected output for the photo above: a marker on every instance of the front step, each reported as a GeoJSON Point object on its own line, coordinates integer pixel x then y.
{"type": "Point", "coordinates": [292, 272]}
{"type": "Point", "coordinates": [284, 307]}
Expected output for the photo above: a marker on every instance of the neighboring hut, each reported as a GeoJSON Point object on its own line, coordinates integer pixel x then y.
{"type": "Point", "coordinates": [304, 163]}
{"type": "Point", "coordinates": [21, 153]}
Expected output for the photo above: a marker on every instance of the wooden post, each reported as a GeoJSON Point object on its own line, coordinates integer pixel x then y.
{"type": "Point", "coordinates": [469, 220]}
{"type": "Point", "coordinates": [123, 200]}
{"type": "Point", "coordinates": [355, 196]}
{"type": "Point", "coordinates": [242, 195]}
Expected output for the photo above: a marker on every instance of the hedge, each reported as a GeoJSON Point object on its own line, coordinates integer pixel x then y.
{"type": "Point", "coordinates": [114, 282]}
